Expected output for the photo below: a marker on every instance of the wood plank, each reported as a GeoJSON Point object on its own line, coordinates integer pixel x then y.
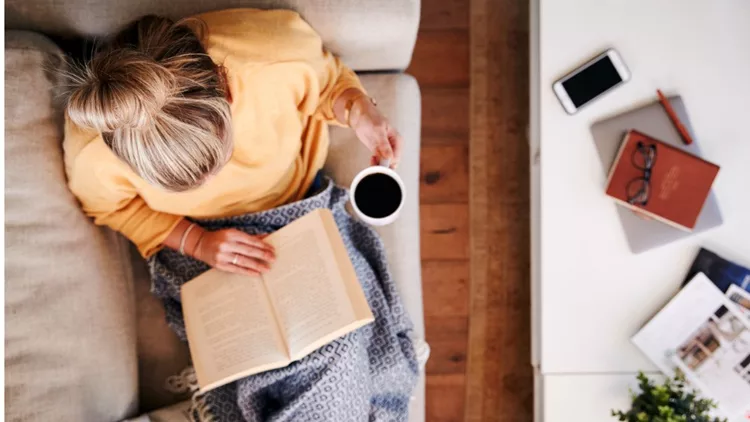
{"type": "Point", "coordinates": [444, 231]}
{"type": "Point", "coordinates": [445, 328]}
{"type": "Point", "coordinates": [444, 14]}
{"type": "Point", "coordinates": [441, 58]}
{"type": "Point", "coordinates": [444, 174]}
{"type": "Point", "coordinates": [445, 115]}
{"type": "Point", "coordinates": [440, 64]}
{"type": "Point", "coordinates": [447, 337]}
{"type": "Point", "coordinates": [445, 398]}
{"type": "Point", "coordinates": [445, 286]}
{"type": "Point", "coordinates": [499, 372]}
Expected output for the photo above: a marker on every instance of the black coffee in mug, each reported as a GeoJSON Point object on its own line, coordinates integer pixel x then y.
{"type": "Point", "coordinates": [378, 195]}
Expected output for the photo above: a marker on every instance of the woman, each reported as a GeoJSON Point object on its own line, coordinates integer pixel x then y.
{"type": "Point", "coordinates": [163, 124]}
{"type": "Point", "coordinates": [189, 136]}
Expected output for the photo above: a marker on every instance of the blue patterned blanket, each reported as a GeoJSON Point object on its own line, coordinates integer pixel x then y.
{"type": "Point", "coordinates": [367, 375]}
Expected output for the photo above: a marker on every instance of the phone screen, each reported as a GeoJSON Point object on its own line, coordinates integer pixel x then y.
{"type": "Point", "coordinates": [593, 80]}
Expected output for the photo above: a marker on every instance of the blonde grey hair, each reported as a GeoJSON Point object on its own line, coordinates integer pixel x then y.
{"type": "Point", "coordinates": [159, 102]}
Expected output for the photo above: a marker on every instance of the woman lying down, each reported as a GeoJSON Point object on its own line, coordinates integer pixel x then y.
{"type": "Point", "coordinates": [185, 137]}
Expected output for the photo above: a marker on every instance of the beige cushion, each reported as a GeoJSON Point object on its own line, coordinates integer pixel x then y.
{"type": "Point", "coordinates": [69, 311]}
{"type": "Point", "coordinates": [368, 35]}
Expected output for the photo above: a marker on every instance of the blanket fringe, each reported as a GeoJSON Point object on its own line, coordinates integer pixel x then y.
{"type": "Point", "coordinates": [422, 349]}
{"type": "Point", "coordinates": [185, 382]}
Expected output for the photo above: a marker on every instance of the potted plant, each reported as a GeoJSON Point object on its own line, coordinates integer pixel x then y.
{"type": "Point", "coordinates": [667, 402]}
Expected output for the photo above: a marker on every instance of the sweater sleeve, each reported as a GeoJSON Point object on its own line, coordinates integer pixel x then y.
{"type": "Point", "coordinates": [239, 37]}
{"type": "Point", "coordinates": [111, 200]}
{"type": "Point", "coordinates": [335, 78]}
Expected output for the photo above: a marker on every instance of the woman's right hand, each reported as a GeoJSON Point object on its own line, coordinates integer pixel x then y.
{"type": "Point", "coordinates": [235, 251]}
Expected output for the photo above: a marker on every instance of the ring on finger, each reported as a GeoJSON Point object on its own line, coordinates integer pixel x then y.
{"type": "Point", "coordinates": [236, 257]}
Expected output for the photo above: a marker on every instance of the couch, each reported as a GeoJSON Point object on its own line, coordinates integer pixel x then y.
{"type": "Point", "coordinates": [85, 341]}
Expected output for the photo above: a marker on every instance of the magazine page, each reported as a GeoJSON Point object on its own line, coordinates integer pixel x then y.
{"type": "Point", "coordinates": [701, 334]}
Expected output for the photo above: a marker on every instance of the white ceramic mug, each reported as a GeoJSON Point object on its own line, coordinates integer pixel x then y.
{"type": "Point", "coordinates": [382, 168]}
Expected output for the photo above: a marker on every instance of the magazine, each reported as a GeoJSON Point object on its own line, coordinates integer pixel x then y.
{"type": "Point", "coordinates": [701, 334]}
{"type": "Point", "coordinates": [741, 298]}
{"type": "Point", "coordinates": [722, 272]}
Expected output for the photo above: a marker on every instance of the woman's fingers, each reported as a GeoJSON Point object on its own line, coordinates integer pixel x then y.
{"type": "Point", "coordinates": [252, 264]}
{"type": "Point", "coordinates": [388, 147]}
{"type": "Point", "coordinates": [235, 251]}
{"type": "Point", "coordinates": [383, 148]}
{"type": "Point", "coordinates": [254, 241]}
{"type": "Point", "coordinates": [395, 139]}
{"type": "Point", "coordinates": [236, 269]}
{"type": "Point", "coordinates": [264, 255]}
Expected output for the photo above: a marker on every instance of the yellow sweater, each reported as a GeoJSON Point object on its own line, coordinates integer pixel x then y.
{"type": "Point", "coordinates": [283, 86]}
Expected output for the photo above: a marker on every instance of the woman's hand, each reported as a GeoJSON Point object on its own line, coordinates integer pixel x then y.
{"type": "Point", "coordinates": [374, 130]}
{"type": "Point", "coordinates": [371, 127]}
{"type": "Point", "coordinates": [234, 251]}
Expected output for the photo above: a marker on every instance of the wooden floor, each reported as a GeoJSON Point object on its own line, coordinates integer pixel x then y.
{"type": "Point", "coordinates": [475, 286]}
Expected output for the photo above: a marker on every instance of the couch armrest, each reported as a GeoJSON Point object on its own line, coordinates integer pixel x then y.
{"type": "Point", "coordinates": [69, 306]}
{"type": "Point", "coordinates": [399, 99]}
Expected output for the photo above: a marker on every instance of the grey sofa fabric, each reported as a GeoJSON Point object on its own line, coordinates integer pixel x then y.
{"type": "Point", "coordinates": [69, 311]}
{"type": "Point", "coordinates": [367, 35]}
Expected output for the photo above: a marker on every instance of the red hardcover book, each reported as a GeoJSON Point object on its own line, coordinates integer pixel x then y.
{"type": "Point", "coordinates": [660, 180]}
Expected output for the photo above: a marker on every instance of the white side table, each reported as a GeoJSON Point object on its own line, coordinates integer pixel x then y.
{"type": "Point", "coordinates": [590, 293]}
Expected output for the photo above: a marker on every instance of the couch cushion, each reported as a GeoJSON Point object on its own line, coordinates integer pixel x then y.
{"type": "Point", "coordinates": [161, 353]}
{"type": "Point", "coordinates": [399, 99]}
{"type": "Point", "coordinates": [69, 310]}
{"type": "Point", "coordinates": [368, 35]}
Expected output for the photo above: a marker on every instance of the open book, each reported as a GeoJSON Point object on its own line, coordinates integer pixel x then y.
{"type": "Point", "coordinates": [239, 325]}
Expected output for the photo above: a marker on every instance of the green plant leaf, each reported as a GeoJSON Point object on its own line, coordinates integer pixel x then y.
{"type": "Point", "coordinates": [670, 401]}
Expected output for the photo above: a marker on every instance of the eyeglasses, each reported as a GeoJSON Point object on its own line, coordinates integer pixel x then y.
{"type": "Point", "coordinates": [639, 189]}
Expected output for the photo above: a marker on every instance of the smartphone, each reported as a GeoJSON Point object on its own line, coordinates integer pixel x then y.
{"type": "Point", "coordinates": [591, 80]}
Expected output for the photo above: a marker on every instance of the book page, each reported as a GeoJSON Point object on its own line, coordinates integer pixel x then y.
{"type": "Point", "coordinates": [307, 287]}
{"type": "Point", "coordinates": [231, 329]}
{"type": "Point", "coordinates": [346, 269]}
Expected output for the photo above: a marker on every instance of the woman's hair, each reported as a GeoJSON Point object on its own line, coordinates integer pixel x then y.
{"type": "Point", "coordinates": [159, 102]}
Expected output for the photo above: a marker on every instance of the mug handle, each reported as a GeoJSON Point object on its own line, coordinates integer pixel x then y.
{"type": "Point", "coordinates": [385, 162]}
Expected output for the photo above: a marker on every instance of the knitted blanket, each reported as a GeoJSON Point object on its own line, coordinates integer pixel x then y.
{"type": "Point", "coordinates": [366, 375]}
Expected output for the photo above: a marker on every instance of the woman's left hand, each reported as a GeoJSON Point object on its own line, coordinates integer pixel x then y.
{"type": "Point", "coordinates": [374, 130]}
